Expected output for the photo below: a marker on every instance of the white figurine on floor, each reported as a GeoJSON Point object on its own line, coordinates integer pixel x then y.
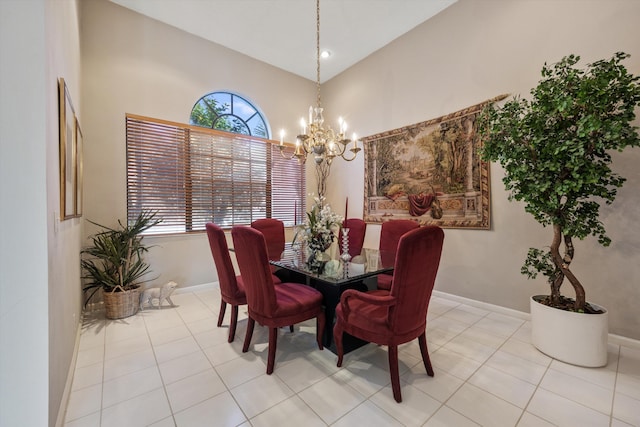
{"type": "Point", "coordinates": [162, 293]}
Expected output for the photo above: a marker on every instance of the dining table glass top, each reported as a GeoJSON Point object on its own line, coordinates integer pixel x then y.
{"type": "Point", "coordinates": [369, 263]}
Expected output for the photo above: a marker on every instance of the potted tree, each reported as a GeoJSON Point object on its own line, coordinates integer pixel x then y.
{"type": "Point", "coordinates": [114, 263]}
{"type": "Point", "coordinates": [555, 151]}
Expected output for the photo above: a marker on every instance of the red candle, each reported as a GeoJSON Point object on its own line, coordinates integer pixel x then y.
{"type": "Point", "coordinates": [346, 209]}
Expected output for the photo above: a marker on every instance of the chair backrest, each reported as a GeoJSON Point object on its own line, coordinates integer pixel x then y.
{"type": "Point", "coordinates": [253, 261]}
{"type": "Point", "coordinates": [222, 260]}
{"type": "Point", "coordinates": [390, 234]}
{"type": "Point", "coordinates": [414, 276]}
{"type": "Point", "coordinates": [273, 231]}
{"type": "Point", "coordinates": [357, 229]}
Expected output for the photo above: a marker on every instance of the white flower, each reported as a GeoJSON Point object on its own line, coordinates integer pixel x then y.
{"type": "Point", "coordinates": [317, 228]}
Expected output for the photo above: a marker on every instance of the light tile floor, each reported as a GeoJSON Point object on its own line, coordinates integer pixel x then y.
{"type": "Point", "coordinates": [174, 367]}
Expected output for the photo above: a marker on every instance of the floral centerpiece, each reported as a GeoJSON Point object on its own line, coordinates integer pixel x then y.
{"type": "Point", "coordinates": [317, 234]}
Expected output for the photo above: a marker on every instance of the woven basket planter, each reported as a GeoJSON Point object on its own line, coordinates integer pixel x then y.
{"type": "Point", "coordinates": [121, 304]}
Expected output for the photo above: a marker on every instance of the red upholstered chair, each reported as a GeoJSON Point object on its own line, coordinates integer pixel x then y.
{"type": "Point", "coordinates": [269, 305]}
{"type": "Point", "coordinates": [390, 234]}
{"type": "Point", "coordinates": [400, 315]}
{"type": "Point", "coordinates": [357, 229]}
{"type": "Point", "coordinates": [273, 231]}
{"type": "Point", "coordinates": [231, 286]}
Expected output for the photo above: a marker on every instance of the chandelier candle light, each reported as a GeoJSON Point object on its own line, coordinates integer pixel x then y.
{"type": "Point", "coordinates": [323, 142]}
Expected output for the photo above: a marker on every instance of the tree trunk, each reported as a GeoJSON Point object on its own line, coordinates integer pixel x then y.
{"type": "Point", "coordinates": [562, 264]}
{"type": "Point", "coordinates": [558, 278]}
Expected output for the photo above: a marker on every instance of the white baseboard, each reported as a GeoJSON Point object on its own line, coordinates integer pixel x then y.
{"type": "Point", "coordinates": [484, 305]}
{"type": "Point", "coordinates": [195, 288]}
{"type": "Point", "coordinates": [624, 341]}
{"type": "Point", "coordinates": [612, 338]}
{"type": "Point", "coordinates": [62, 410]}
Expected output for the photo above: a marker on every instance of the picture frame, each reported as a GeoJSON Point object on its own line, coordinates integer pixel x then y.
{"type": "Point", "coordinates": [429, 172]}
{"type": "Point", "coordinates": [67, 131]}
{"type": "Point", "coordinates": [79, 147]}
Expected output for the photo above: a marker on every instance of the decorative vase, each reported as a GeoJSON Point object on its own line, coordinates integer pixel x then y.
{"type": "Point", "coordinates": [316, 260]}
{"type": "Point", "coordinates": [575, 338]}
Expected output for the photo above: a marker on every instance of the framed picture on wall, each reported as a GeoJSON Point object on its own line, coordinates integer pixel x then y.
{"type": "Point", "coordinates": [68, 192]}
{"type": "Point", "coordinates": [79, 145]}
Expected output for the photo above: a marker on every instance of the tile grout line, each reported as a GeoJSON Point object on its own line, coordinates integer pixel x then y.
{"type": "Point", "coordinates": [466, 381]}
{"type": "Point", "coordinates": [227, 389]}
{"type": "Point", "coordinates": [164, 386]}
{"type": "Point", "coordinates": [104, 360]}
{"type": "Point", "coordinates": [615, 385]}
{"type": "Point", "coordinates": [192, 335]}
{"type": "Point", "coordinates": [524, 410]}
{"type": "Point", "coordinates": [471, 375]}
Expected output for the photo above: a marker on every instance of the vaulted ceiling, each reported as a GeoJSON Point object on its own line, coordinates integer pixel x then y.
{"type": "Point", "coordinates": [283, 32]}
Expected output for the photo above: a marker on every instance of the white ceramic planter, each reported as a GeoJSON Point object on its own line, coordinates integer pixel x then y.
{"type": "Point", "coordinates": [575, 338]}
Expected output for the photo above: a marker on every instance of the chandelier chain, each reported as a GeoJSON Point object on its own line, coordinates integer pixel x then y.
{"type": "Point", "coordinates": [318, 52]}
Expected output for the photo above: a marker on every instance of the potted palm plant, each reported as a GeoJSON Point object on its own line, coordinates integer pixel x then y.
{"type": "Point", "coordinates": [555, 151]}
{"type": "Point", "coordinates": [114, 263]}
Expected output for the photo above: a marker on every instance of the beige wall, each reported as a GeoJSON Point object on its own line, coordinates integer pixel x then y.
{"type": "Point", "coordinates": [39, 255]}
{"type": "Point", "coordinates": [471, 52]}
{"type": "Point", "coordinates": [63, 237]}
{"type": "Point", "coordinates": [23, 297]}
{"type": "Point", "coordinates": [133, 64]}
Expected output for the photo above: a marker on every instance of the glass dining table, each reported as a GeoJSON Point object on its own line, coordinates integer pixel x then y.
{"type": "Point", "coordinates": [358, 274]}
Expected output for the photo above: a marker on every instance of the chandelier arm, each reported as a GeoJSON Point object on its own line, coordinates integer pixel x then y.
{"type": "Point", "coordinates": [349, 160]}
{"type": "Point", "coordinates": [339, 149]}
{"type": "Point", "coordinates": [305, 143]}
{"type": "Point", "coordinates": [284, 155]}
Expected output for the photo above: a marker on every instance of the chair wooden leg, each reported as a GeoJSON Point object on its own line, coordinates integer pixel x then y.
{"type": "Point", "coordinates": [273, 342]}
{"type": "Point", "coordinates": [291, 328]}
{"type": "Point", "coordinates": [320, 324]}
{"type": "Point", "coordinates": [234, 322]}
{"type": "Point", "coordinates": [422, 339]}
{"type": "Point", "coordinates": [337, 338]}
{"type": "Point", "coordinates": [247, 337]}
{"type": "Point", "coordinates": [223, 308]}
{"type": "Point", "coordinates": [393, 370]}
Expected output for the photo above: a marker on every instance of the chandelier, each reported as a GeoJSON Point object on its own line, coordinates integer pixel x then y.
{"type": "Point", "coordinates": [322, 142]}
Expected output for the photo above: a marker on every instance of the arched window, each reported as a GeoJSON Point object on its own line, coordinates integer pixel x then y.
{"type": "Point", "coordinates": [229, 112]}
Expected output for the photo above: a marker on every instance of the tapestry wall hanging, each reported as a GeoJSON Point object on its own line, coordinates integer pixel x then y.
{"type": "Point", "coordinates": [430, 172]}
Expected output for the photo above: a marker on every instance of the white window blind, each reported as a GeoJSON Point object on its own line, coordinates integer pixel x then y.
{"type": "Point", "coordinates": [192, 175]}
